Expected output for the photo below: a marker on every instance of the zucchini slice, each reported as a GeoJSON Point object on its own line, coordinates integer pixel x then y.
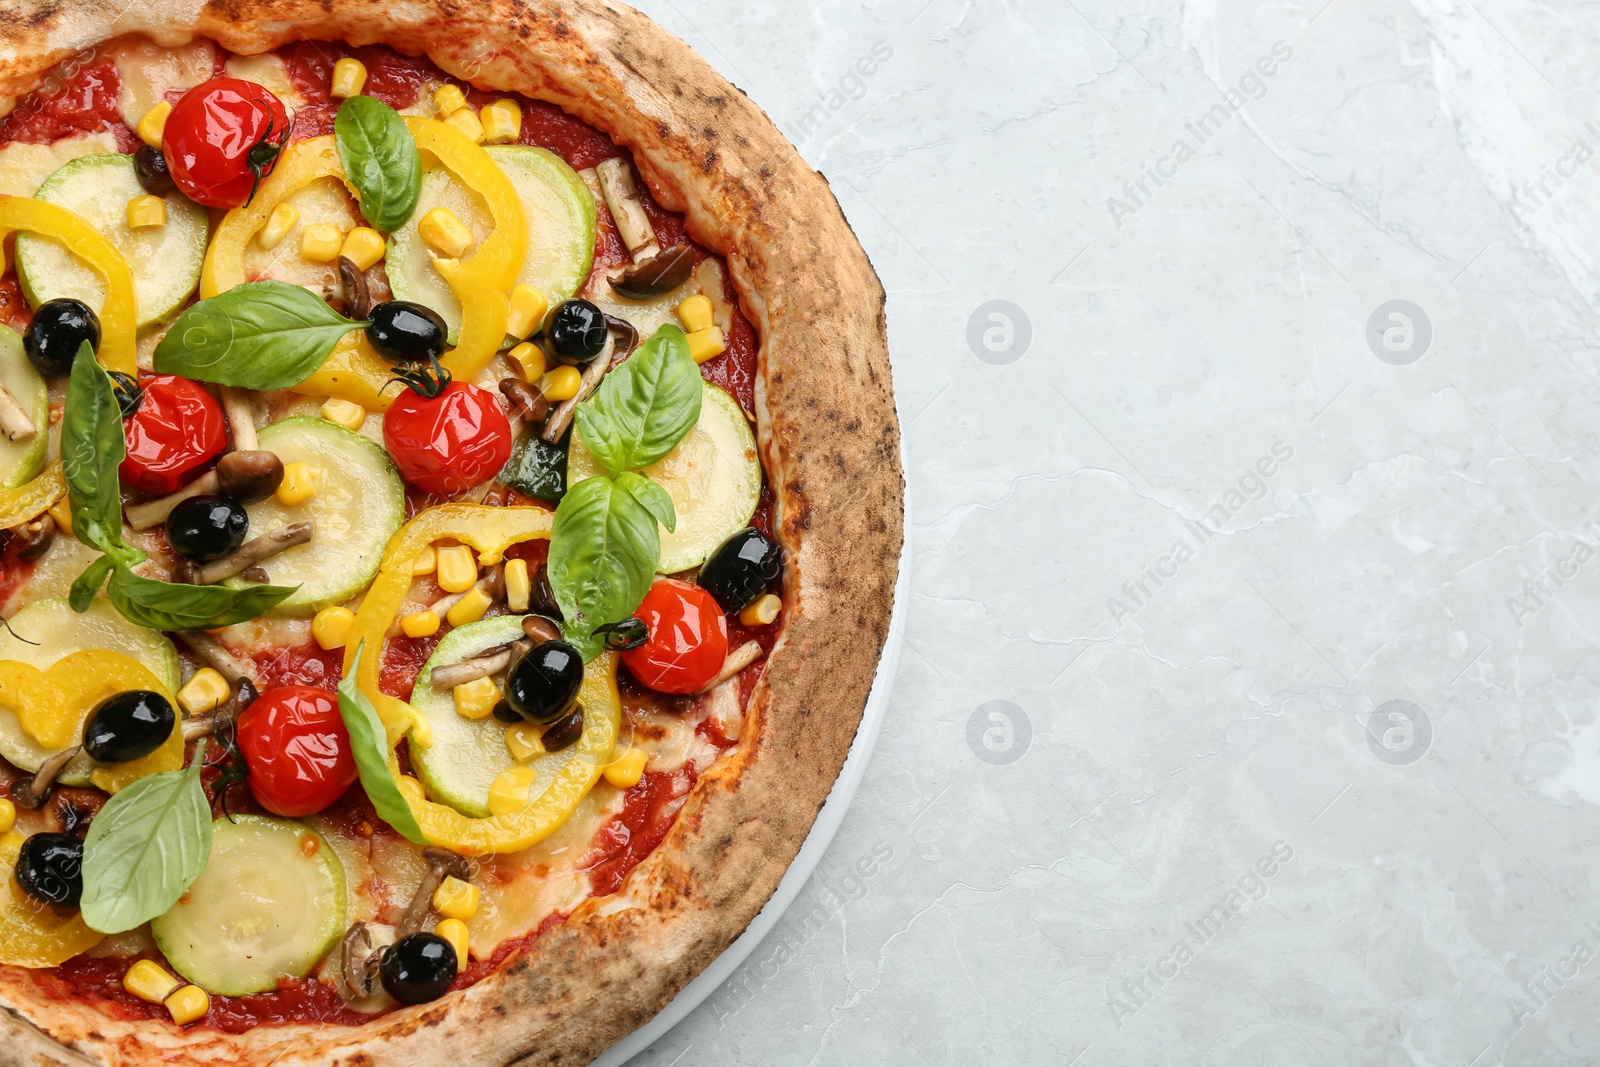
{"type": "Point", "coordinates": [165, 261]}
{"type": "Point", "coordinates": [269, 905]}
{"type": "Point", "coordinates": [561, 230]}
{"type": "Point", "coordinates": [713, 476]}
{"type": "Point", "coordinates": [60, 631]}
{"type": "Point", "coordinates": [360, 502]}
{"type": "Point", "coordinates": [22, 460]}
{"type": "Point", "coordinates": [466, 754]}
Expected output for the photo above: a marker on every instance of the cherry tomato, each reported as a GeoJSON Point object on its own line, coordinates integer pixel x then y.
{"type": "Point", "coordinates": [688, 638]}
{"type": "Point", "coordinates": [449, 442]}
{"type": "Point", "coordinates": [177, 428]}
{"type": "Point", "coordinates": [297, 749]}
{"type": "Point", "coordinates": [222, 138]}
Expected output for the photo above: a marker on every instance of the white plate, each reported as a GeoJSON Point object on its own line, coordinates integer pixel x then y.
{"type": "Point", "coordinates": [817, 841]}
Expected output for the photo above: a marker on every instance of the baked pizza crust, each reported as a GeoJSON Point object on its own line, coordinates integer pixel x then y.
{"type": "Point", "coordinates": [830, 441]}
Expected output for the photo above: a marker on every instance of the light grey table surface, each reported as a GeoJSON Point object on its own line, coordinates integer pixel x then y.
{"type": "Point", "coordinates": [1247, 708]}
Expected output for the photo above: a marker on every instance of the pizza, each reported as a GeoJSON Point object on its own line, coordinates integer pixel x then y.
{"type": "Point", "coordinates": [451, 503]}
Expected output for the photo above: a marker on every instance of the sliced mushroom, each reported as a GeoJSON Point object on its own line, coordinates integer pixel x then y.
{"type": "Point", "coordinates": [249, 476]}
{"type": "Point", "coordinates": [737, 660]}
{"type": "Point", "coordinates": [442, 864]}
{"type": "Point", "coordinates": [484, 664]}
{"type": "Point", "coordinates": [556, 425]}
{"type": "Point", "coordinates": [217, 656]}
{"type": "Point", "coordinates": [359, 959]}
{"type": "Point", "coordinates": [492, 583]}
{"type": "Point", "coordinates": [625, 336]}
{"type": "Point", "coordinates": [257, 550]}
{"type": "Point", "coordinates": [14, 422]}
{"type": "Point", "coordinates": [357, 294]}
{"type": "Point", "coordinates": [526, 402]}
{"type": "Point", "coordinates": [541, 629]}
{"type": "Point", "coordinates": [627, 208]}
{"type": "Point", "coordinates": [241, 417]}
{"type": "Point", "coordinates": [656, 276]}
{"type": "Point", "coordinates": [34, 538]}
{"type": "Point", "coordinates": [244, 694]}
{"type": "Point", "coordinates": [153, 513]}
{"type": "Point", "coordinates": [33, 793]}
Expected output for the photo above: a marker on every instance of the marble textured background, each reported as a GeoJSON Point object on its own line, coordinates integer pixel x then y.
{"type": "Point", "coordinates": [1247, 709]}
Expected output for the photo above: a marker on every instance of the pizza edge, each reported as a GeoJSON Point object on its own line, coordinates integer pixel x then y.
{"type": "Point", "coordinates": [830, 442]}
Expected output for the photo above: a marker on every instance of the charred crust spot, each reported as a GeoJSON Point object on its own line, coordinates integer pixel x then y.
{"type": "Point", "coordinates": [707, 163]}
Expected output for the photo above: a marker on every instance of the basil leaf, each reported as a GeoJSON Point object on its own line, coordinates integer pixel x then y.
{"type": "Point", "coordinates": [170, 606]}
{"type": "Point", "coordinates": [369, 744]}
{"type": "Point", "coordinates": [644, 407]}
{"type": "Point", "coordinates": [380, 160]}
{"type": "Point", "coordinates": [92, 448]}
{"type": "Point", "coordinates": [145, 848]}
{"type": "Point", "coordinates": [652, 497]}
{"type": "Point", "coordinates": [89, 583]}
{"type": "Point", "coordinates": [259, 335]}
{"type": "Point", "coordinates": [603, 554]}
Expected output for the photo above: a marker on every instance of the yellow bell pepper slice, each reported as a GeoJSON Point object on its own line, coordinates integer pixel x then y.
{"type": "Point", "coordinates": [31, 499]}
{"type": "Point", "coordinates": [119, 317]}
{"type": "Point", "coordinates": [480, 282]}
{"type": "Point", "coordinates": [32, 935]}
{"type": "Point", "coordinates": [53, 705]}
{"type": "Point", "coordinates": [490, 531]}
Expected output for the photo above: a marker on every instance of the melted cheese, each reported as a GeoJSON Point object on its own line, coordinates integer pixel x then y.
{"type": "Point", "coordinates": [266, 70]}
{"type": "Point", "coordinates": [150, 71]}
{"type": "Point", "coordinates": [24, 167]}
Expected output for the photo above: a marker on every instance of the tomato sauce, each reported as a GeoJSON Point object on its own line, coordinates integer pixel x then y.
{"type": "Point", "coordinates": [81, 97]}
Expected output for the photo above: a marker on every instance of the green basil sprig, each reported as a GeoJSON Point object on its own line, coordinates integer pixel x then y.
{"type": "Point", "coordinates": [145, 848]}
{"type": "Point", "coordinates": [603, 552]}
{"type": "Point", "coordinates": [259, 335]}
{"type": "Point", "coordinates": [380, 159]}
{"type": "Point", "coordinates": [369, 745]}
{"type": "Point", "coordinates": [171, 606]}
{"type": "Point", "coordinates": [644, 407]}
{"type": "Point", "coordinates": [92, 448]}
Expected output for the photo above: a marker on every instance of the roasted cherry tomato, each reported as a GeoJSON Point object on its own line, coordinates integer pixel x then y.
{"type": "Point", "coordinates": [177, 427]}
{"type": "Point", "coordinates": [222, 138]}
{"type": "Point", "coordinates": [297, 749]}
{"type": "Point", "coordinates": [688, 638]}
{"type": "Point", "coordinates": [445, 437]}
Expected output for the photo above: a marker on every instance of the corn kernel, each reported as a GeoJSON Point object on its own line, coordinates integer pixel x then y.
{"type": "Point", "coordinates": [466, 121]}
{"type": "Point", "coordinates": [279, 223]}
{"type": "Point", "coordinates": [519, 589]}
{"type": "Point", "coordinates": [320, 243]}
{"type": "Point", "coordinates": [455, 932]}
{"type": "Point", "coordinates": [299, 484]}
{"type": "Point", "coordinates": [707, 344]}
{"type": "Point", "coordinates": [469, 608]}
{"type": "Point", "coordinates": [8, 815]}
{"type": "Point", "coordinates": [525, 742]}
{"type": "Point", "coordinates": [561, 383]}
{"type": "Point", "coordinates": [476, 699]}
{"type": "Point", "coordinates": [441, 229]}
{"type": "Point", "coordinates": [61, 511]}
{"type": "Point", "coordinates": [349, 78]}
{"type": "Point", "coordinates": [205, 692]}
{"type": "Point", "coordinates": [422, 624]}
{"type": "Point", "coordinates": [457, 569]}
{"type": "Point", "coordinates": [147, 213]}
{"type": "Point", "coordinates": [331, 626]}
{"type": "Point", "coordinates": [502, 122]}
{"type": "Point", "coordinates": [626, 769]}
{"type": "Point", "coordinates": [346, 413]}
{"type": "Point", "coordinates": [528, 306]}
{"type": "Point", "coordinates": [455, 899]}
{"type": "Point", "coordinates": [530, 357]}
{"type": "Point", "coordinates": [696, 313]}
{"type": "Point", "coordinates": [150, 982]}
{"type": "Point", "coordinates": [449, 99]}
{"type": "Point", "coordinates": [188, 1004]}
{"type": "Point", "coordinates": [425, 562]}
{"type": "Point", "coordinates": [508, 793]}
{"type": "Point", "coordinates": [154, 124]}
{"type": "Point", "coordinates": [362, 246]}
{"type": "Point", "coordinates": [762, 611]}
